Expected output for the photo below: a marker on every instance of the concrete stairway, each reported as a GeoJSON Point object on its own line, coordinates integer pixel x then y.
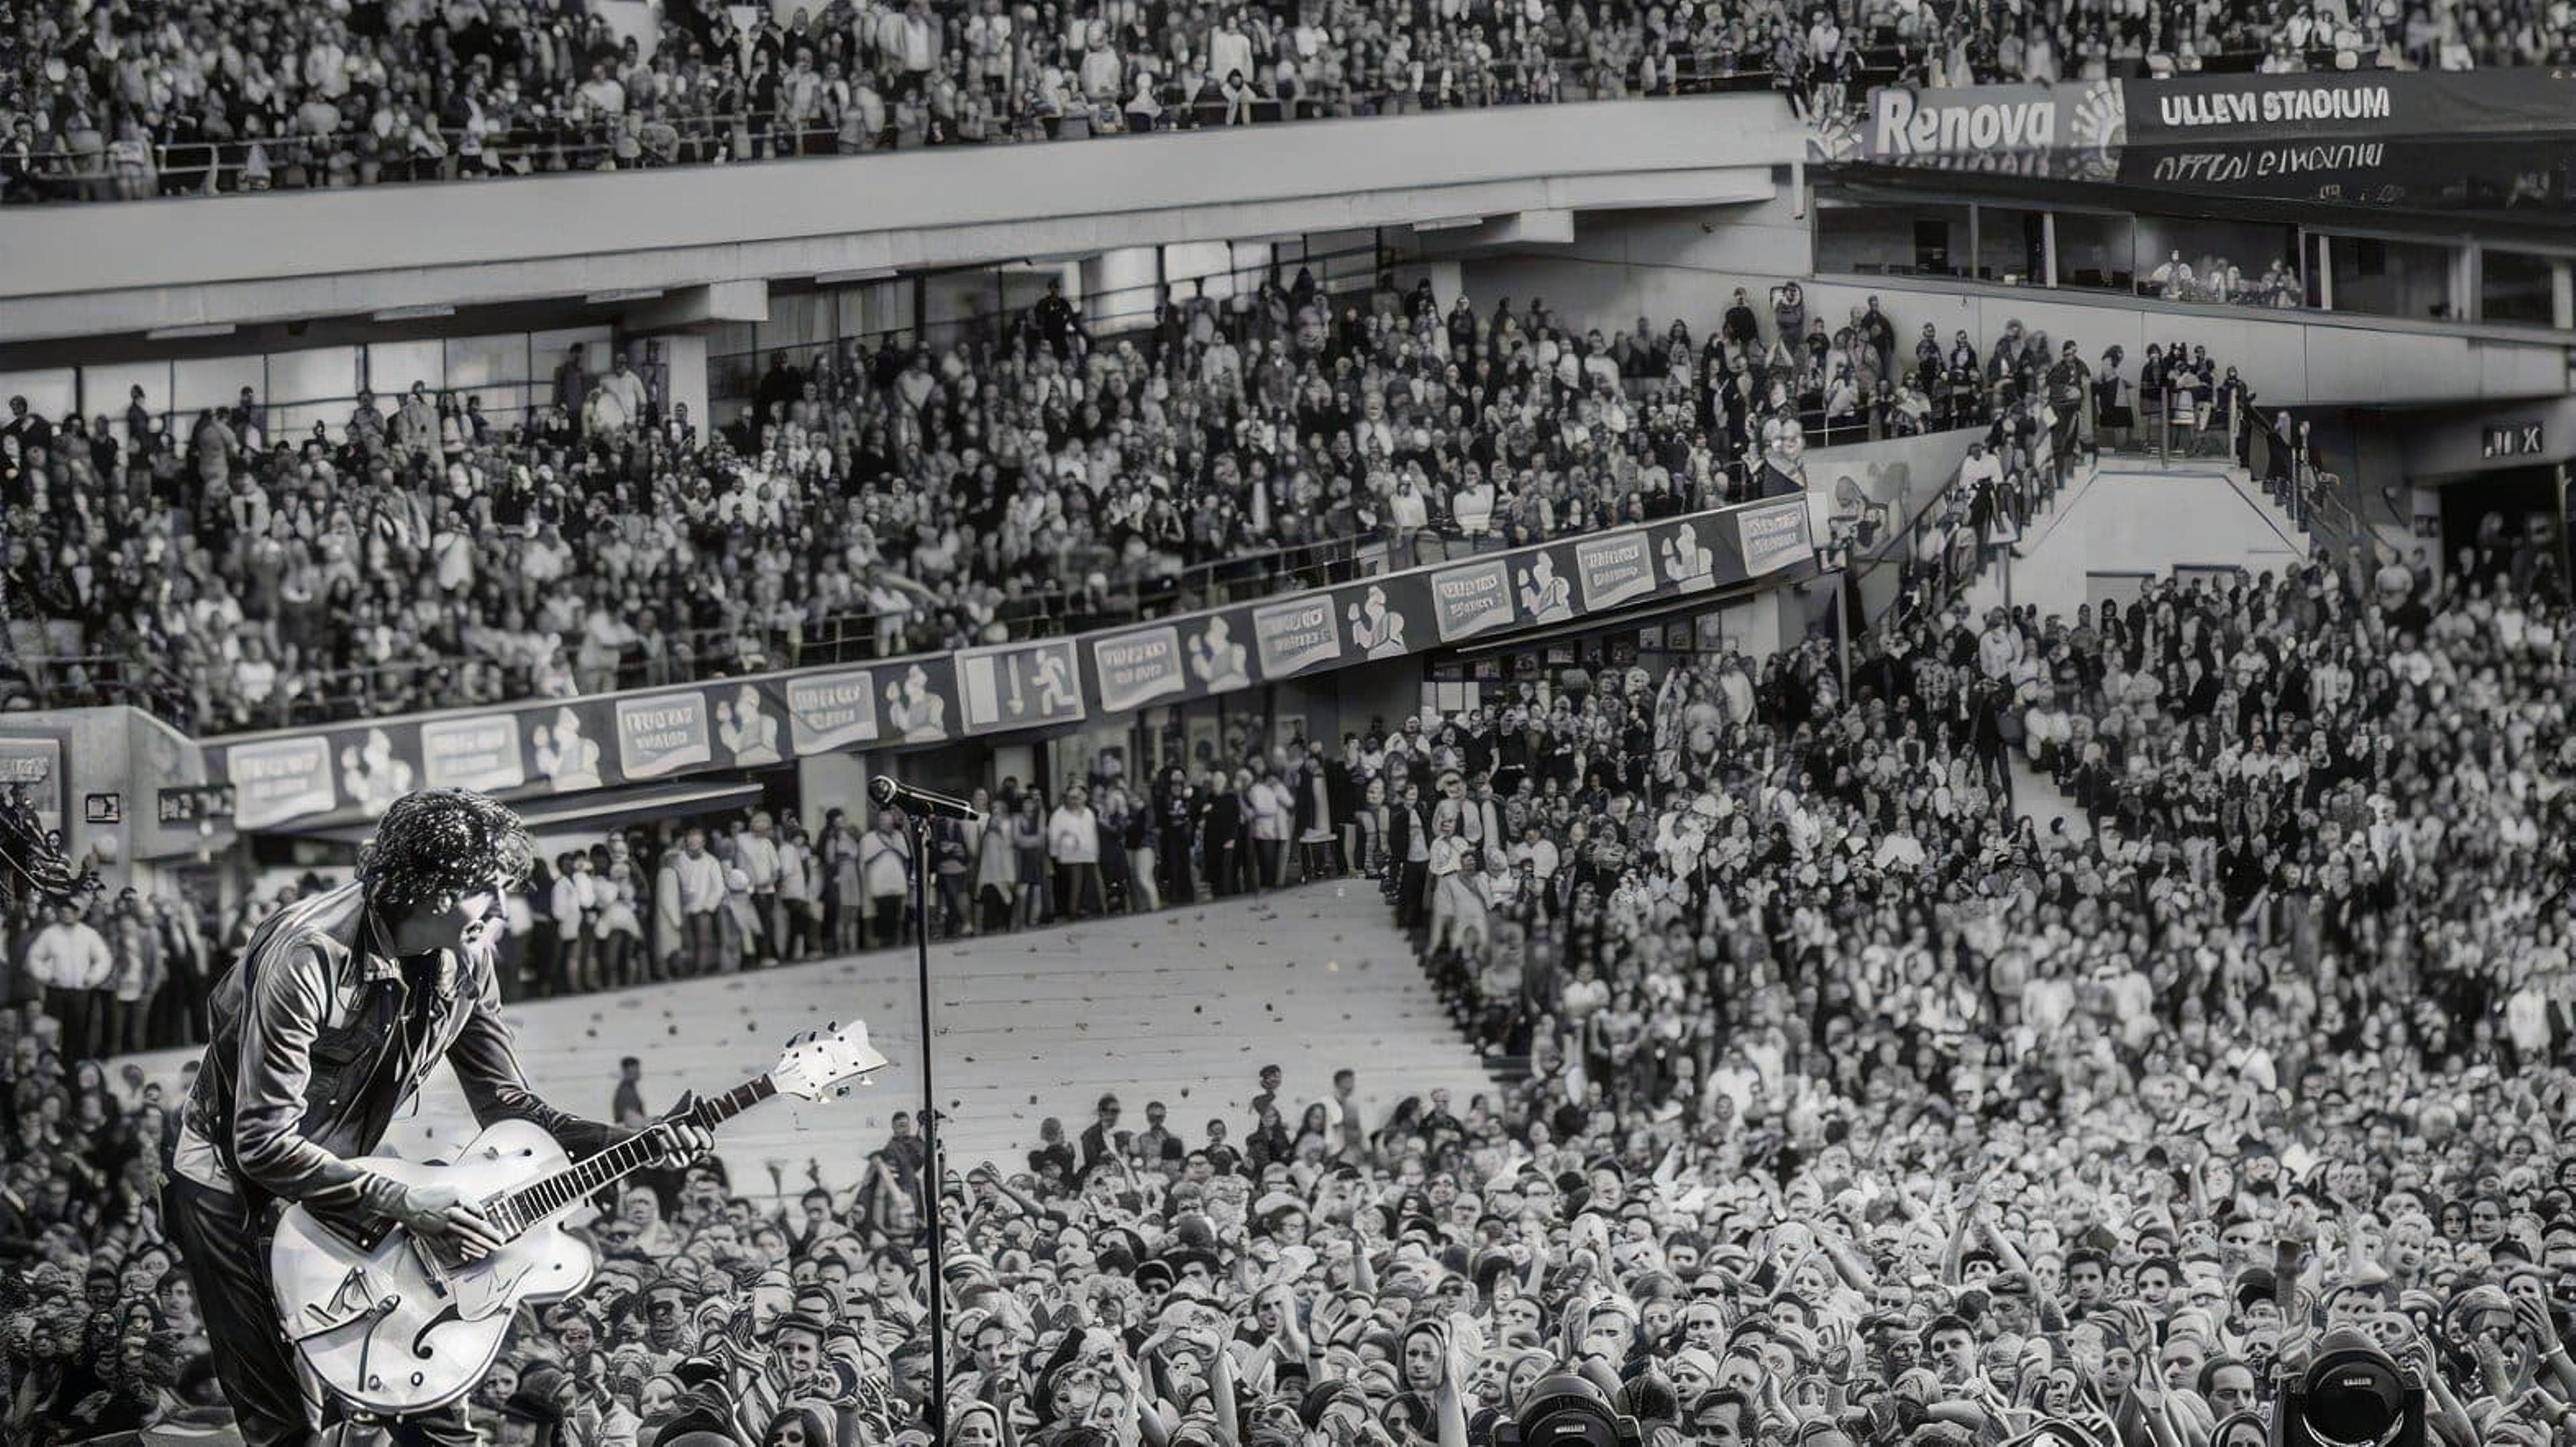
{"type": "Point", "coordinates": [1184, 1006]}
{"type": "Point", "coordinates": [2135, 516]}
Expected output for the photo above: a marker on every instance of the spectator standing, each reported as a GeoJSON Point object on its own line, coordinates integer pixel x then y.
{"type": "Point", "coordinates": [845, 887]}
{"type": "Point", "coordinates": [699, 880]}
{"type": "Point", "coordinates": [1073, 842]}
{"type": "Point", "coordinates": [799, 885]}
{"type": "Point", "coordinates": [757, 853]}
{"type": "Point", "coordinates": [74, 972]}
{"type": "Point", "coordinates": [572, 383]}
{"type": "Point", "coordinates": [618, 401]}
{"type": "Point", "coordinates": [1273, 813]}
{"type": "Point", "coordinates": [885, 870]}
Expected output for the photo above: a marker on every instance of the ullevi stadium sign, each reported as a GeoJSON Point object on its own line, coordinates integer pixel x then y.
{"type": "Point", "coordinates": [2360, 106]}
{"type": "Point", "coordinates": [1972, 128]}
{"type": "Point", "coordinates": [2273, 107]}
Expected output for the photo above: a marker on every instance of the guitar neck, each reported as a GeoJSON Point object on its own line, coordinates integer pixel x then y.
{"type": "Point", "coordinates": [584, 1179]}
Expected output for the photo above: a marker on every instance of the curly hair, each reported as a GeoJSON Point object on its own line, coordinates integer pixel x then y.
{"type": "Point", "coordinates": [443, 841]}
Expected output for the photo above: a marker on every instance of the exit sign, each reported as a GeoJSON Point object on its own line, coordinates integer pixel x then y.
{"type": "Point", "coordinates": [2517, 439]}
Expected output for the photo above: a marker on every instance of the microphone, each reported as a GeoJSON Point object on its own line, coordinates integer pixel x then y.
{"type": "Point", "coordinates": [887, 794]}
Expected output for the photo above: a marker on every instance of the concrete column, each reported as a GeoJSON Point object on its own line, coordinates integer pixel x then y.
{"type": "Point", "coordinates": [2048, 249]}
{"type": "Point", "coordinates": [1119, 288]}
{"type": "Point", "coordinates": [825, 782]}
{"type": "Point", "coordinates": [684, 359]}
{"type": "Point", "coordinates": [1020, 761]}
{"type": "Point", "coordinates": [2562, 295]}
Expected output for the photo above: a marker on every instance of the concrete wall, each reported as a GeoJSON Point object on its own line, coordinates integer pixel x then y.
{"type": "Point", "coordinates": [1668, 268]}
{"type": "Point", "coordinates": [2452, 443]}
{"type": "Point", "coordinates": [94, 270]}
{"type": "Point", "coordinates": [2131, 520]}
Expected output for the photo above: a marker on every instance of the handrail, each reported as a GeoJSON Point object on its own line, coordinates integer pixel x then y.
{"type": "Point", "coordinates": [2314, 496]}
{"type": "Point", "coordinates": [698, 655]}
{"type": "Point", "coordinates": [576, 142]}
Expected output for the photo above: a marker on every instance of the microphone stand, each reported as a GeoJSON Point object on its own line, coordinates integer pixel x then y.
{"type": "Point", "coordinates": [935, 1177]}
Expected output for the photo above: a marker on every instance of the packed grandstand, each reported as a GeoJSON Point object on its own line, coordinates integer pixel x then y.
{"type": "Point", "coordinates": [1859, 1108]}
{"type": "Point", "coordinates": [126, 101]}
{"type": "Point", "coordinates": [2002, 1026]}
{"type": "Point", "coordinates": [878, 503]}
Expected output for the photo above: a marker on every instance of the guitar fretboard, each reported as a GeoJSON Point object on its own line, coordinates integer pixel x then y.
{"type": "Point", "coordinates": [533, 1203]}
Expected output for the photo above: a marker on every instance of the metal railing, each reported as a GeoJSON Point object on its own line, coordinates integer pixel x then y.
{"type": "Point", "coordinates": [90, 677]}
{"type": "Point", "coordinates": [2316, 499]}
{"type": "Point", "coordinates": [130, 170]}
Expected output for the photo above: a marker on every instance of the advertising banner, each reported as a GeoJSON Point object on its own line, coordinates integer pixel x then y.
{"type": "Point", "coordinates": [1773, 535]}
{"type": "Point", "coordinates": [279, 779]}
{"type": "Point", "coordinates": [831, 710]}
{"type": "Point", "coordinates": [1471, 598]}
{"type": "Point", "coordinates": [2348, 105]}
{"type": "Point", "coordinates": [35, 764]}
{"type": "Point", "coordinates": [1296, 635]}
{"type": "Point", "coordinates": [329, 776]}
{"type": "Point", "coordinates": [661, 734]}
{"type": "Point", "coordinates": [1614, 569]}
{"type": "Point", "coordinates": [1985, 126]}
{"type": "Point", "coordinates": [1137, 668]}
{"type": "Point", "coordinates": [477, 752]}
{"type": "Point", "coordinates": [2495, 174]}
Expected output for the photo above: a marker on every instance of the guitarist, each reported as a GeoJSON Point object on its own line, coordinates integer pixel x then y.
{"type": "Point", "coordinates": [342, 1005]}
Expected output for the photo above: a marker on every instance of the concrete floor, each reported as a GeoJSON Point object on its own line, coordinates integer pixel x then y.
{"type": "Point", "coordinates": [1184, 1006]}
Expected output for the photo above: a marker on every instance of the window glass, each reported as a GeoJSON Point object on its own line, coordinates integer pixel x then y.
{"type": "Point", "coordinates": [2515, 286]}
{"type": "Point", "coordinates": [2392, 278]}
{"type": "Point", "coordinates": [1892, 240]}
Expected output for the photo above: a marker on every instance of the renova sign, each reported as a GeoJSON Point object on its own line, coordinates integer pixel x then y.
{"type": "Point", "coordinates": [1912, 121]}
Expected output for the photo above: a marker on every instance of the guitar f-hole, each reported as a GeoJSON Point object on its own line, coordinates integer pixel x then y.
{"type": "Point", "coordinates": [420, 1341]}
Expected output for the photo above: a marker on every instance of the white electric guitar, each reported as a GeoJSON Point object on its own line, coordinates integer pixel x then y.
{"type": "Point", "coordinates": [395, 1324]}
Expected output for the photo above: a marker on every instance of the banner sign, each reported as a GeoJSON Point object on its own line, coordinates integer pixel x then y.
{"type": "Point", "coordinates": [1018, 686]}
{"type": "Point", "coordinates": [828, 710]}
{"type": "Point", "coordinates": [321, 778]}
{"type": "Point", "coordinates": [479, 752]}
{"type": "Point", "coordinates": [2499, 174]}
{"type": "Point", "coordinates": [2349, 105]}
{"type": "Point", "coordinates": [1296, 635]}
{"type": "Point", "coordinates": [2512, 439]}
{"type": "Point", "coordinates": [280, 779]}
{"type": "Point", "coordinates": [2315, 136]}
{"type": "Point", "coordinates": [1473, 599]}
{"type": "Point", "coordinates": [1137, 668]}
{"type": "Point", "coordinates": [1773, 535]}
{"type": "Point", "coordinates": [662, 734]}
{"type": "Point", "coordinates": [34, 763]}
{"type": "Point", "coordinates": [1975, 127]}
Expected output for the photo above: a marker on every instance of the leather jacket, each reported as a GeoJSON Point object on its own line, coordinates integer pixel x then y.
{"type": "Point", "coordinates": [320, 1037]}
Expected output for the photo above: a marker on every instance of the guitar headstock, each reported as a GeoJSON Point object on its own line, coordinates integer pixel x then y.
{"type": "Point", "coordinates": [819, 1064]}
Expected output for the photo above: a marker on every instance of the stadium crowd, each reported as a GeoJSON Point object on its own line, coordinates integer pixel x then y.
{"type": "Point", "coordinates": [881, 500]}
{"type": "Point", "coordinates": [1862, 1109]}
{"type": "Point", "coordinates": [126, 100]}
